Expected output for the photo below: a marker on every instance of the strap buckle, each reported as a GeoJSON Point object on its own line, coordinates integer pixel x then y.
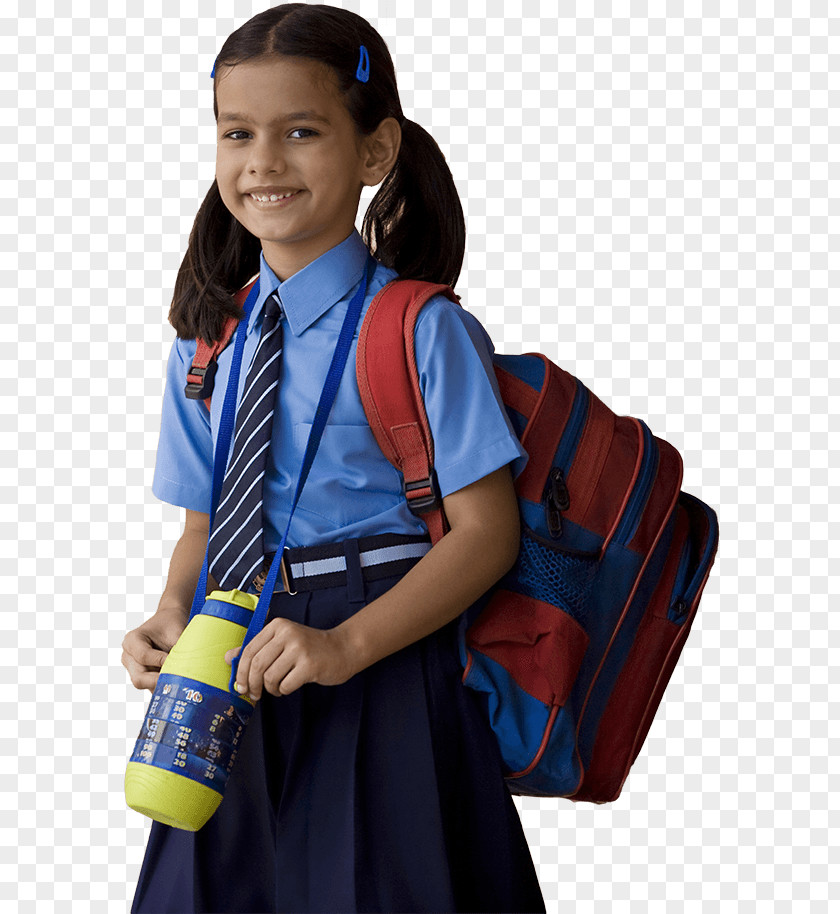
{"type": "Point", "coordinates": [285, 575]}
{"type": "Point", "coordinates": [285, 571]}
{"type": "Point", "coordinates": [423, 503]}
{"type": "Point", "coordinates": [201, 391]}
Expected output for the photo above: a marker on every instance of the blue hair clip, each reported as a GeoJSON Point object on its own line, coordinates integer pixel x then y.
{"type": "Point", "coordinates": [213, 71]}
{"type": "Point", "coordinates": [363, 70]}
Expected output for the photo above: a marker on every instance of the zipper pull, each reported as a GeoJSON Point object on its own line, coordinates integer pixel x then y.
{"type": "Point", "coordinates": [678, 610]}
{"type": "Point", "coordinates": [553, 520]}
{"type": "Point", "coordinates": [557, 501]}
{"type": "Point", "coordinates": [559, 489]}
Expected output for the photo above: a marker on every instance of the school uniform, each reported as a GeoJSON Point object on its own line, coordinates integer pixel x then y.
{"type": "Point", "coordinates": [385, 793]}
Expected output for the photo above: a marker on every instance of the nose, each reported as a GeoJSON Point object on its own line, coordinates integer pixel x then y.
{"type": "Point", "coordinates": [265, 156]}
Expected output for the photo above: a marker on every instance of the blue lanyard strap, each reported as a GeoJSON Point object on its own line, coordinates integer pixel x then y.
{"type": "Point", "coordinates": [328, 394]}
{"type": "Point", "coordinates": [224, 436]}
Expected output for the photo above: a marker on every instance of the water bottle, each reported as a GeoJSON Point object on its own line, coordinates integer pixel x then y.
{"type": "Point", "coordinates": [194, 724]}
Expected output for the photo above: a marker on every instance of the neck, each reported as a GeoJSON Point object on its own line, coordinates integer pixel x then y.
{"type": "Point", "coordinates": [288, 258]}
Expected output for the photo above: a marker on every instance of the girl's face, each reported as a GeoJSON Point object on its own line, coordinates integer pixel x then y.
{"type": "Point", "coordinates": [283, 128]}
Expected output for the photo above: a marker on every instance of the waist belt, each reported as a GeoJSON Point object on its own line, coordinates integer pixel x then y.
{"type": "Point", "coordinates": [314, 567]}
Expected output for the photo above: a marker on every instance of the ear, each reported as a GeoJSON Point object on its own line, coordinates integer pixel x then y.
{"type": "Point", "coordinates": [381, 149]}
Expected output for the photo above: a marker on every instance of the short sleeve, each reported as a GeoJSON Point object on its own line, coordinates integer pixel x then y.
{"type": "Point", "coordinates": [472, 433]}
{"type": "Point", "coordinates": [184, 465]}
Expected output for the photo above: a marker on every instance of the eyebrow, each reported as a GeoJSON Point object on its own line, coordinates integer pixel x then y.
{"type": "Point", "coordinates": [294, 116]}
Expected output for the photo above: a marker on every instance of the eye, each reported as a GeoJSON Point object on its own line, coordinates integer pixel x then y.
{"type": "Point", "coordinates": [296, 130]}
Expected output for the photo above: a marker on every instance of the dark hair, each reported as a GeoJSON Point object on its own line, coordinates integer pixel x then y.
{"type": "Point", "coordinates": [414, 224]}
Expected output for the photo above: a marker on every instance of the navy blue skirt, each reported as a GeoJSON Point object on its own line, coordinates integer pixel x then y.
{"type": "Point", "coordinates": [382, 794]}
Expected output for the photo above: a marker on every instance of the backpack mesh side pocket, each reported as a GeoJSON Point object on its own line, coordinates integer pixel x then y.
{"type": "Point", "coordinates": [561, 577]}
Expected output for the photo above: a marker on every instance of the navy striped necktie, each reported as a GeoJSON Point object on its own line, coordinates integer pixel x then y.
{"type": "Point", "coordinates": [236, 547]}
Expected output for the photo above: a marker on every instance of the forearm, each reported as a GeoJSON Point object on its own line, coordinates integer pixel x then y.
{"type": "Point", "coordinates": [458, 569]}
{"type": "Point", "coordinates": [184, 569]}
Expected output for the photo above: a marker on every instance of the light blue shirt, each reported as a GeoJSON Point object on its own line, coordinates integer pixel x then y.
{"type": "Point", "coordinates": [352, 490]}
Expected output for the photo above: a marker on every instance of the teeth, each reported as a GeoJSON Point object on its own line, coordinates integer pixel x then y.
{"type": "Point", "coordinates": [266, 198]}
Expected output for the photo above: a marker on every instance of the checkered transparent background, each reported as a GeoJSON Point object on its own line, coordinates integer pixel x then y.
{"type": "Point", "coordinates": [651, 195]}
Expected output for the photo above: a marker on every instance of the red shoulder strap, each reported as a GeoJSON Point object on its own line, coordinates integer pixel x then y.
{"type": "Point", "coordinates": [389, 385]}
{"type": "Point", "coordinates": [198, 374]}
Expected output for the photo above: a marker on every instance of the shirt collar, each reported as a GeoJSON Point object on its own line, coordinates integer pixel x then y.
{"type": "Point", "coordinates": [317, 287]}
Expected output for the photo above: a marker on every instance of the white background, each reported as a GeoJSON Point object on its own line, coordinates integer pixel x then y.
{"type": "Point", "coordinates": [651, 197]}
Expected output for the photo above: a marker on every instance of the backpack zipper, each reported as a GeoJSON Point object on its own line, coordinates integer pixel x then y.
{"type": "Point", "coordinates": [633, 512]}
{"type": "Point", "coordinates": [557, 501]}
{"type": "Point", "coordinates": [680, 605]}
{"type": "Point", "coordinates": [556, 494]}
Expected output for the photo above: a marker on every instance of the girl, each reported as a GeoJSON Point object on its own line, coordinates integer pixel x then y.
{"type": "Point", "coordinates": [368, 778]}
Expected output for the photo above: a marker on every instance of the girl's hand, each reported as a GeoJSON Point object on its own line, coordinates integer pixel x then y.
{"type": "Point", "coordinates": [285, 655]}
{"type": "Point", "coordinates": [146, 648]}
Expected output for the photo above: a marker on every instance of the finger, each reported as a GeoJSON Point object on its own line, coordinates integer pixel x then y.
{"type": "Point", "coordinates": [136, 670]}
{"type": "Point", "coordinates": [147, 655]}
{"type": "Point", "coordinates": [141, 676]}
{"type": "Point", "coordinates": [143, 649]}
{"type": "Point", "coordinates": [232, 653]}
{"type": "Point", "coordinates": [243, 670]}
{"type": "Point", "coordinates": [282, 677]}
{"type": "Point", "coordinates": [127, 661]}
{"type": "Point", "coordinates": [252, 662]}
{"type": "Point", "coordinates": [266, 658]}
{"type": "Point", "coordinates": [148, 681]}
{"type": "Point", "coordinates": [252, 679]}
{"type": "Point", "coordinates": [152, 658]}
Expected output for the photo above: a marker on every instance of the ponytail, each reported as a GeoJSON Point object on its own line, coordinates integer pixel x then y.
{"type": "Point", "coordinates": [415, 223]}
{"type": "Point", "coordinates": [221, 257]}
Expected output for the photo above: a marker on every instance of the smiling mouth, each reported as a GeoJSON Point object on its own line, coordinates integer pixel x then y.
{"type": "Point", "coordinates": [275, 203]}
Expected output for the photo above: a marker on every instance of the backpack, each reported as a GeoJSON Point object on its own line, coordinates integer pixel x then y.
{"type": "Point", "coordinates": [570, 652]}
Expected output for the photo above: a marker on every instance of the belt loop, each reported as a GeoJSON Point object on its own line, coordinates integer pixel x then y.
{"type": "Point", "coordinates": [355, 579]}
